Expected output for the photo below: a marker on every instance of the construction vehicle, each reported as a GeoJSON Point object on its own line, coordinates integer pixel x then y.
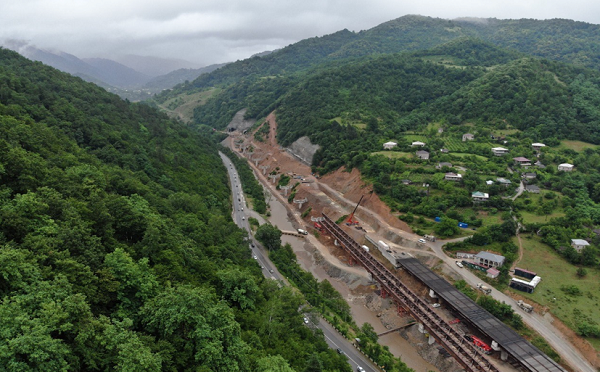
{"type": "Point", "coordinates": [525, 306]}
{"type": "Point", "coordinates": [351, 221]}
{"type": "Point", "coordinates": [318, 226]}
{"type": "Point", "coordinates": [483, 288]}
{"type": "Point", "coordinates": [303, 232]}
{"type": "Point", "coordinates": [485, 348]}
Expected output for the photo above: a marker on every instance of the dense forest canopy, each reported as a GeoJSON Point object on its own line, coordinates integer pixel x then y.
{"type": "Point", "coordinates": [117, 249]}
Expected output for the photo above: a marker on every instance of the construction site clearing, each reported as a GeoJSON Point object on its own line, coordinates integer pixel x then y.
{"type": "Point", "coordinates": [398, 319]}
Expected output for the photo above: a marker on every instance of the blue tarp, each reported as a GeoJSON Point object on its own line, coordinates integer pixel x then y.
{"type": "Point", "coordinates": [438, 219]}
{"type": "Point", "coordinates": [463, 225]}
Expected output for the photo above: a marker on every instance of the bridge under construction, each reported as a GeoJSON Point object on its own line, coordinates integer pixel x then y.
{"type": "Point", "coordinates": [525, 355]}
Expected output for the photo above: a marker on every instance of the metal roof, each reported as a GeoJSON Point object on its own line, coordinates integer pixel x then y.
{"type": "Point", "coordinates": [490, 256]}
{"type": "Point", "coordinates": [520, 349]}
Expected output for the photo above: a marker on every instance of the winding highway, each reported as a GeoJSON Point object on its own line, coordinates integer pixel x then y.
{"type": "Point", "coordinates": [240, 216]}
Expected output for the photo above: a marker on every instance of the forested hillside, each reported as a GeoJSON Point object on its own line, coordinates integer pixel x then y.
{"type": "Point", "coordinates": [117, 250]}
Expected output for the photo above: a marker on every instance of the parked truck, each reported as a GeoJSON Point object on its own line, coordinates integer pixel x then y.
{"type": "Point", "coordinates": [525, 306]}
{"type": "Point", "coordinates": [303, 232]}
{"type": "Point", "coordinates": [483, 288]}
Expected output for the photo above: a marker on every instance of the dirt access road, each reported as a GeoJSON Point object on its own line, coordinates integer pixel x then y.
{"type": "Point", "coordinates": [343, 190]}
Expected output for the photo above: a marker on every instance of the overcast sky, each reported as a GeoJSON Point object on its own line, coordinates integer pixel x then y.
{"type": "Point", "coordinates": [215, 31]}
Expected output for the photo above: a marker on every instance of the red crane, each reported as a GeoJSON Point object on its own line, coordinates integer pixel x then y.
{"type": "Point", "coordinates": [351, 220]}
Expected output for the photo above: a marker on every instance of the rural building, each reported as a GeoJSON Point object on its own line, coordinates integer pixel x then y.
{"type": "Point", "coordinates": [406, 182]}
{"type": "Point", "coordinates": [525, 273]}
{"type": "Point", "coordinates": [529, 175]}
{"type": "Point", "coordinates": [524, 285]}
{"type": "Point", "coordinates": [479, 196]}
{"type": "Point", "coordinates": [440, 130]}
{"type": "Point", "coordinates": [539, 164]}
{"type": "Point", "coordinates": [579, 244]}
{"type": "Point", "coordinates": [489, 259]}
{"type": "Point", "coordinates": [524, 162]}
{"type": "Point", "coordinates": [468, 137]}
{"type": "Point", "coordinates": [489, 182]}
{"type": "Point", "coordinates": [537, 146]}
{"type": "Point", "coordinates": [450, 176]}
{"type": "Point", "coordinates": [389, 145]}
{"type": "Point", "coordinates": [565, 167]}
{"type": "Point", "coordinates": [503, 181]}
{"type": "Point", "coordinates": [492, 273]}
{"type": "Point", "coordinates": [443, 164]}
{"type": "Point", "coordinates": [444, 151]}
{"type": "Point", "coordinates": [499, 151]}
{"type": "Point", "coordinates": [532, 189]}
{"type": "Point", "coordinates": [423, 155]}
{"type": "Point", "coordinates": [418, 143]}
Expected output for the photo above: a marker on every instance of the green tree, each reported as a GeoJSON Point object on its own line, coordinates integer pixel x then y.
{"type": "Point", "coordinates": [269, 235]}
{"type": "Point", "coordinates": [238, 287]}
{"type": "Point", "coordinates": [447, 227]}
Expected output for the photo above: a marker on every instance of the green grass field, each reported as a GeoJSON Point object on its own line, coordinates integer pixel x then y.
{"type": "Point", "coordinates": [529, 217]}
{"type": "Point", "coordinates": [556, 272]}
{"type": "Point", "coordinates": [464, 155]}
{"type": "Point", "coordinates": [577, 145]}
{"type": "Point", "coordinates": [415, 137]}
{"type": "Point", "coordinates": [394, 154]}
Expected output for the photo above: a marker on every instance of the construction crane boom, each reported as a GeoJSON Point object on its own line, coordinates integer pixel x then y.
{"type": "Point", "coordinates": [351, 221]}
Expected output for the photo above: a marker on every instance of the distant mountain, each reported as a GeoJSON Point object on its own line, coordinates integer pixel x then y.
{"type": "Point", "coordinates": [116, 74]}
{"type": "Point", "coordinates": [155, 66]}
{"type": "Point", "coordinates": [180, 76]}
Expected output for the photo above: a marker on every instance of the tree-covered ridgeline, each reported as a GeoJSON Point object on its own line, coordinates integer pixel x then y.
{"type": "Point", "coordinates": [117, 251]}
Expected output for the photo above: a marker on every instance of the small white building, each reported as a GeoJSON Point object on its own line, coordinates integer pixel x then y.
{"type": "Point", "coordinates": [418, 143]}
{"type": "Point", "coordinates": [499, 151]}
{"type": "Point", "coordinates": [537, 146]}
{"type": "Point", "coordinates": [389, 145]}
{"type": "Point", "coordinates": [566, 167]}
{"type": "Point", "coordinates": [468, 137]}
{"type": "Point", "coordinates": [450, 176]}
{"type": "Point", "coordinates": [479, 196]}
{"type": "Point", "coordinates": [579, 244]}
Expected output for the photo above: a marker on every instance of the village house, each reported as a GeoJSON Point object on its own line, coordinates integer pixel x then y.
{"type": "Point", "coordinates": [579, 244]}
{"type": "Point", "coordinates": [389, 145]}
{"type": "Point", "coordinates": [565, 167]}
{"type": "Point", "coordinates": [444, 151]}
{"type": "Point", "coordinates": [489, 182]}
{"type": "Point", "coordinates": [499, 151]}
{"type": "Point", "coordinates": [532, 189]}
{"type": "Point", "coordinates": [529, 175]}
{"type": "Point", "coordinates": [450, 176]}
{"type": "Point", "coordinates": [479, 196]}
{"type": "Point", "coordinates": [492, 273]}
{"type": "Point", "coordinates": [443, 164]}
{"type": "Point", "coordinates": [503, 181]}
{"type": "Point", "coordinates": [539, 164]}
{"type": "Point", "coordinates": [524, 162]}
{"type": "Point", "coordinates": [423, 155]}
{"type": "Point", "coordinates": [468, 137]}
{"type": "Point", "coordinates": [489, 259]}
{"type": "Point", "coordinates": [418, 143]}
{"type": "Point", "coordinates": [406, 182]}
{"type": "Point", "coordinates": [537, 146]}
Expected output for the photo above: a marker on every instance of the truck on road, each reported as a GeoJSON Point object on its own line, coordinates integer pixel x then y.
{"type": "Point", "coordinates": [303, 232]}
{"type": "Point", "coordinates": [483, 288]}
{"type": "Point", "coordinates": [525, 306]}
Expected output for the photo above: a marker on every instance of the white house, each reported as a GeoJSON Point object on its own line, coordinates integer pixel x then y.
{"type": "Point", "coordinates": [450, 176]}
{"type": "Point", "coordinates": [389, 145]}
{"type": "Point", "coordinates": [522, 161]}
{"type": "Point", "coordinates": [499, 151]}
{"type": "Point", "coordinates": [579, 244]}
{"type": "Point", "coordinates": [479, 196]}
{"type": "Point", "coordinates": [537, 146]}
{"type": "Point", "coordinates": [468, 137]}
{"type": "Point", "coordinates": [565, 167]}
{"type": "Point", "coordinates": [418, 143]}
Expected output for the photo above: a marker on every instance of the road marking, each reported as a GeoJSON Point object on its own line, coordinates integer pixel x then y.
{"type": "Point", "coordinates": [337, 346]}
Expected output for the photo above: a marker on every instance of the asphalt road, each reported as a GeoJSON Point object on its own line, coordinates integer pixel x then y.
{"type": "Point", "coordinates": [332, 337]}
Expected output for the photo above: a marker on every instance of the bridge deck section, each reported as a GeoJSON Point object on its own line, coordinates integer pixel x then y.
{"type": "Point", "coordinates": [520, 349]}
